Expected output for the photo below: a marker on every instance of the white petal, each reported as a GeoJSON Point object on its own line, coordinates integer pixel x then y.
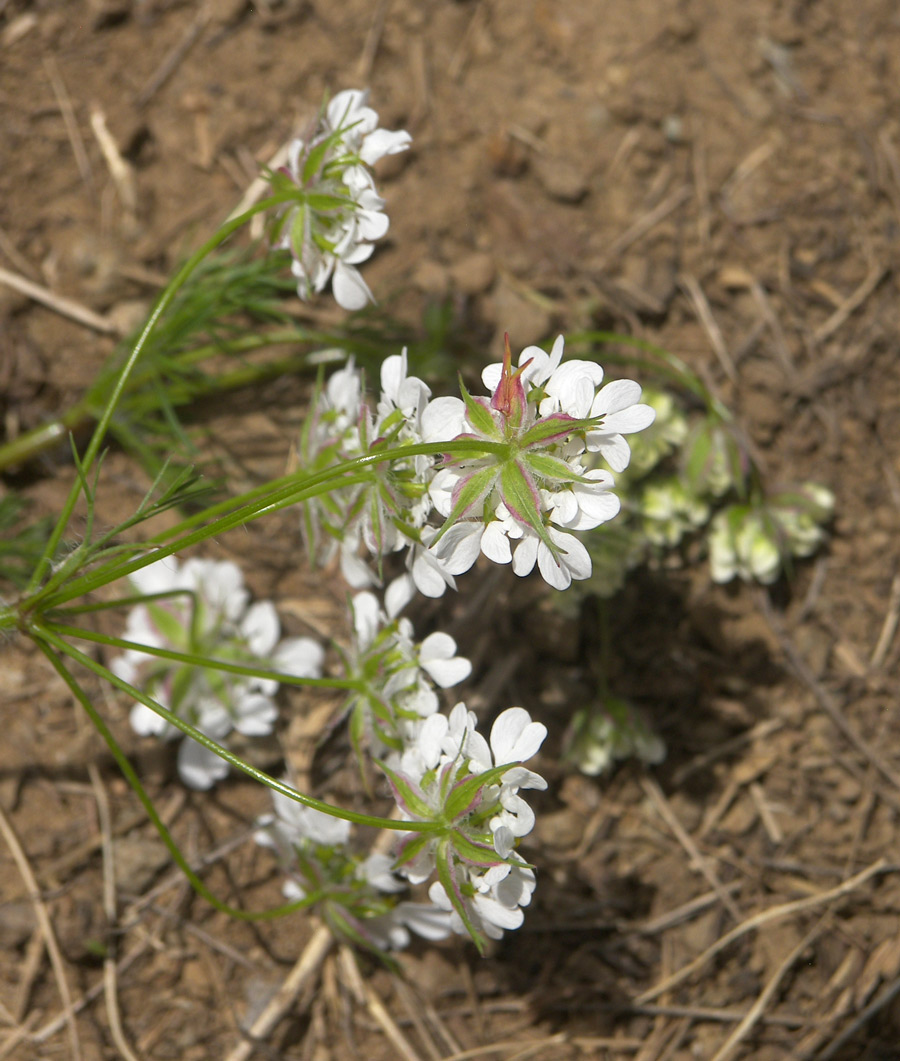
{"type": "Point", "coordinates": [300, 656]}
{"type": "Point", "coordinates": [634, 418]}
{"type": "Point", "coordinates": [495, 544]}
{"type": "Point", "coordinates": [525, 555]}
{"type": "Point", "coordinates": [198, 767]}
{"type": "Point", "coordinates": [443, 419]}
{"type": "Point", "coordinates": [256, 715]}
{"type": "Point", "coordinates": [146, 722]}
{"type": "Point", "coordinates": [514, 737]}
{"type": "Point", "coordinates": [613, 448]}
{"type": "Point", "coordinates": [616, 396]}
{"type": "Point", "coordinates": [350, 290]}
{"type": "Point", "coordinates": [383, 142]}
{"type": "Point", "coordinates": [261, 627]}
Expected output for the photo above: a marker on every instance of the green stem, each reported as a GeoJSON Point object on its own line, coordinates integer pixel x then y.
{"type": "Point", "coordinates": [234, 512]}
{"type": "Point", "coordinates": [212, 664]}
{"type": "Point", "coordinates": [46, 634]}
{"type": "Point", "coordinates": [103, 423]}
{"type": "Point", "coordinates": [141, 793]}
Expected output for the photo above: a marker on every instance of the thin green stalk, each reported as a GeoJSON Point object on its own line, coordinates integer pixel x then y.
{"type": "Point", "coordinates": [271, 497]}
{"type": "Point", "coordinates": [44, 633]}
{"type": "Point", "coordinates": [100, 431]}
{"type": "Point", "coordinates": [193, 660]}
{"type": "Point", "coordinates": [141, 793]}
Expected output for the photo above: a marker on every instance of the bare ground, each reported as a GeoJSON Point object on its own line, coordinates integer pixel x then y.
{"type": "Point", "coordinates": [721, 179]}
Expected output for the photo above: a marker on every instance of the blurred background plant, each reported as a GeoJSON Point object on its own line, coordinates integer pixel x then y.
{"type": "Point", "coordinates": [691, 489]}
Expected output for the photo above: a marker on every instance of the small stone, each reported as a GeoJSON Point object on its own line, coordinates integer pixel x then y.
{"type": "Point", "coordinates": [138, 860]}
{"type": "Point", "coordinates": [431, 278]}
{"type": "Point", "coordinates": [526, 322]}
{"type": "Point", "coordinates": [561, 180]}
{"type": "Point", "coordinates": [473, 274]}
{"type": "Point", "coordinates": [508, 156]}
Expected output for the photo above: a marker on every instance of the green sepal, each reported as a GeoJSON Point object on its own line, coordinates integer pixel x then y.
{"type": "Point", "coordinates": [474, 853]}
{"type": "Point", "coordinates": [167, 624]}
{"type": "Point", "coordinates": [411, 849]}
{"type": "Point", "coordinates": [316, 156]}
{"type": "Point", "coordinates": [549, 427]}
{"type": "Point", "coordinates": [412, 801]}
{"type": "Point", "coordinates": [552, 468]}
{"type": "Point", "coordinates": [518, 496]}
{"type": "Point", "coordinates": [321, 201]}
{"type": "Point", "coordinates": [479, 416]}
{"type": "Point", "coordinates": [463, 795]}
{"type": "Point", "coordinates": [445, 876]}
{"type": "Point", "coordinates": [475, 487]}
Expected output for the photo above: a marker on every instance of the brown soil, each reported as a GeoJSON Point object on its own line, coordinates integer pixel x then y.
{"type": "Point", "coordinates": [574, 165]}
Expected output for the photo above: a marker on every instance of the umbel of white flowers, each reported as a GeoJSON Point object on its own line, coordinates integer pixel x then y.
{"type": "Point", "coordinates": [335, 211]}
{"type": "Point", "coordinates": [206, 611]}
{"type": "Point", "coordinates": [546, 426]}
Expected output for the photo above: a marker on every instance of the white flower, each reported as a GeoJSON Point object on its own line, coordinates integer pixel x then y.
{"type": "Point", "coordinates": [396, 676]}
{"type": "Point", "coordinates": [495, 906]}
{"type": "Point", "coordinates": [207, 615]}
{"type": "Point", "coordinates": [741, 544]}
{"type": "Point", "coordinates": [338, 210]}
{"type": "Point", "coordinates": [294, 823]}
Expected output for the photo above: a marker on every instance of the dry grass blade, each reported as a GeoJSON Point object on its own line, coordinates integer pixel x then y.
{"type": "Point", "coordinates": [121, 171]}
{"type": "Point", "coordinates": [773, 913]}
{"type": "Point", "coordinates": [691, 287]}
{"type": "Point", "coordinates": [889, 628]}
{"type": "Point", "coordinates": [851, 304]}
{"type": "Point", "coordinates": [64, 103]}
{"type": "Point", "coordinates": [65, 307]}
{"type": "Point", "coordinates": [659, 800]}
{"type": "Point", "coordinates": [110, 975]}
{"type": "Point", "coordinates": [824, 698]}
{"type": "Point", "coordinates": [307, 965]}
{"type": "Point", "coordinates": [875, 1006]}
{"type": "Point", "coordinates": [375, 1006]}
{"type": "Point", "coordinates": [43, 919]}
{"type": "Point", "coordinates": [174, 59]}
{"type": "Point", "coordinates": [758, 1008]}
{"type": "Point", "coordinates": [649, 221]}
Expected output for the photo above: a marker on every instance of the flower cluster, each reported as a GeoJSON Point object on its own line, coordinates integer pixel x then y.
{"type": "Point", "coordinates": [469, 789]}
{"type": "Point", "coordinates": [396, 677]}
{"type": "Point", "coordinates": [202, 609]}
{"type": "Point", "coordinates": [753, 541]}
{"type": "Point", "coordinates": [518, 495]}
{"type": "Point", "coordinates": [357, 894]}
{"type": "Point", "coordinates": [442, 772]}
{"type": "Point", "coordinates": [335, 211]}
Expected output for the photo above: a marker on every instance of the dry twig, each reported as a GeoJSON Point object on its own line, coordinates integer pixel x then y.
{"type": "Point", "coordinates": [43, 919]}
{"type": "Point", "coordinates": [307, 965]}
{"type": "Point", "coordinates": [375, 1006]}
{"type": "Point", "coordinates": [756, 1011]}
{"type": "Point", "coordinates": [110, 973]}
{"type": "Point", "coordinates": [64, 103]}
{"type": "Point", "coordinates": [64, 306]}
{"type": "Point", "coordinates": [659, 800]}
{"type": "Point", "coordinates": [773, 913]}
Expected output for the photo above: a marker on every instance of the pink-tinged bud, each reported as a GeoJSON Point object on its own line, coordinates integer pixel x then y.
{"type": "Point", "coordinates": [509, 397]}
